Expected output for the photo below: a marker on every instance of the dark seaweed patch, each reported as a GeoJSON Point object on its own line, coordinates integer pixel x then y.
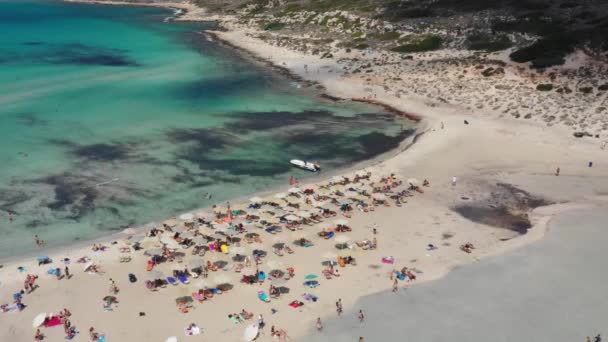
{"type": "Point", "coordinates": [203, 138]}
{"type": "Point", "coordinates": [103, 152]}
{"type": "Point", "coordinates": [82, 54]}
{"type": "Point", "coordinates": [30, 119]}
{"type": "Point", "coordinates": [33, 43]}
{"type": "Point", "coordinates": [250, 122]}
{"type": "Point", "coordinates": [211, 88]}
{"type": "Point", "coordinates": [73, 194]}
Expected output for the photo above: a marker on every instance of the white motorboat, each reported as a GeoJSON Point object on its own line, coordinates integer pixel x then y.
{"type": "Point", "coordinates": [313, 167]}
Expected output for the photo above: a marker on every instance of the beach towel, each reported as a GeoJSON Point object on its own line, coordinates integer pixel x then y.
{"type": "Point", "coordinates": [172, 280]}
{"type": "Point", "coordinates": [102, 338]}
{"type": "Point", "coordinates": [52, 271]}
{"type": "Point", "coordinates": [310, 297]}
{"type": "Point", "coordinates": [182, 278]}
{"type": "Point", "coordinates": [329, 235]}
{"type": "Point", "coordinates": [388, 260]}
{"type": "Point", "coordinates": [401, 276]}
{"type": "Point", "coordinates": [263, 296]}
{"type": "Point", "coordinates": [52, 322]}
{"type": "Point", "coordinates": [150, 265]}
{"type": "Point", "coordinates": [296, 304]}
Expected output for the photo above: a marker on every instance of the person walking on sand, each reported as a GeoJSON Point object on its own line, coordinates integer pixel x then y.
{"type": "Point", "coordinates": [339, 307]}
{"type": "Point", "coordinates": [67, 273]}
{"type": "Point", "coordinates": [454, 179]}
{"type": "Point", "coordinates": [361, 316]}
{"type": "Point", "coordinates": [361, 339]}
{"type": "Point", "coordinates": [395, 285]}
{"type": "Point", "coordinates": [319, 324]}
{"type": "Point", "coordinates": [557, 171]}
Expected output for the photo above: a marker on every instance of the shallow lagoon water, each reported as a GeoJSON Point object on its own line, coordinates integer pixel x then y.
{"type": "Point", "coordinates": [111, 117]}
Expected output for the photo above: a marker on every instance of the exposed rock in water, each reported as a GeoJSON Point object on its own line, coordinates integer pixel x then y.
{"type": "Point", "coordinates": [586, 90]}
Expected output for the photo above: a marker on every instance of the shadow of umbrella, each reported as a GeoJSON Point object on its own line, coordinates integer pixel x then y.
{"type": "Point", "coordinates": [184, 299]}
{"type": "Point", "coordinates": [276, 273]}
{"type": "Point", "coordinates": [283, 290]}
{"type": "Point", "coordinates": [225, 286]}
{"type": "Point", "coordinates": [236, 239]}
{"type": "Point", "coordinates": [279, 245]}
{"type": "Point", "coordinates": [238, 258]}
{"type": "Point", "coordinates": [260, 253]}
{"type": "Point", "coordinates": [220, 263]}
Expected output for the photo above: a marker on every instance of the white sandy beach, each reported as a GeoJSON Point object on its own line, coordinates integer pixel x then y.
{"type": "Point", "coordinates": [486, 151]}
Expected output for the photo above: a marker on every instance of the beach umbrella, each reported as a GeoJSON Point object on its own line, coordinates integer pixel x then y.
{"type": "Point", "coordinates": [329, 255]}
{"type": "Point", "coordinates": [136, 239]}
{"type": "Point", "coordinates": [341, 222]}
{"type": "Point", "coordinates": [170, 222]}
{"type": "Point", "coordinates": [186, 235]}
{"type": "Point", "coordinates": [39, 320]}
{"type": "Point", "coordinates": [379, 196]}
{"type": "Point", "coordinates": [199, 240]}
{"type": "Point", "coordinates": [220, 226]}
{"type": "Point", "coordinates": [342, 238]}
{"type": "Point", "coordinates": [217, 236]}
{"type": "Point", "coordinates": [248, 271]}
{"type": "Point", "coordinates": [153, 275]}
{"type": "Point", "coordinates": [311, 277]}
{"type": "Point", "coordinates": [255, 199]}
{"type": "Point", "coordinates": [275, 264]}
{"type": "Point", "coordinates": [251, 333]}
{"type": "Point", "coordinates": [129, 231]}
{"type": "Point", "coordinates": [149, 242]}
{"type": "Point", "coordinates": [337, 179]}
{"type": "Point", "coordinates": [304, 214]}
{"type": "Point", "coordinates": [280, 195]}
{"type": "Point", "coordinates": [249, 228]}
{"type": "Point", "coordinates": [278, 281]}
{"type": "Point", "coordinates": [292, 217]}
{"type": "Point", "coordinates": [361, 173]}
{"type": "Point", "coordinates": [197, 262]}
{"type": "Point", "coordinates": [178, 229]}
{"type": "Point", "coordinates": [222, 279]}
{"type": "Point", "coordinates": [202, 214]}
{"type": "Point", "coordinates": [294, 190]}
{"type": "Point", "coordinates": [186, 217]}
{"type": "Point", "coordinates": [171, 244]}
{"type": "Point", "coordinates": [414, 181]}
{"type": "Point", "coordinates": [350, 194]}
{"type": "Point", "coordinates": [171, 339]}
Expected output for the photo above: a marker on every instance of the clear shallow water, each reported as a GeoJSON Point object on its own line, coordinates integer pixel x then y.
{"type": "Point", "coordinates": [96, 94]}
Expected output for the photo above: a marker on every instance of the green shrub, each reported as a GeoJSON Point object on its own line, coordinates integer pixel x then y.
{"type": "Point", "coordinates": [486, 42]}
{"type": "Point", "coordinates": [273, 26]}
{"type": "Point", "coordinates": [418, 43]}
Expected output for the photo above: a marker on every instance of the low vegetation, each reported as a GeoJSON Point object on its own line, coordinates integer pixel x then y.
{"type": "Point", "coordinates": [418, 43]}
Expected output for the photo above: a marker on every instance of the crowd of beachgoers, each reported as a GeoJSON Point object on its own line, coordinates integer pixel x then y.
{"type": "Point", "coordinates": [203, 251]}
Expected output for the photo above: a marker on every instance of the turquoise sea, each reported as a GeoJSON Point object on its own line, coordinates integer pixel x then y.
{"type": "Point", "coordinates": [110, 117]}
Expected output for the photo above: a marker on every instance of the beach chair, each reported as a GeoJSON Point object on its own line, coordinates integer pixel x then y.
{"type": "Point", "coordinates": [124, 259]}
